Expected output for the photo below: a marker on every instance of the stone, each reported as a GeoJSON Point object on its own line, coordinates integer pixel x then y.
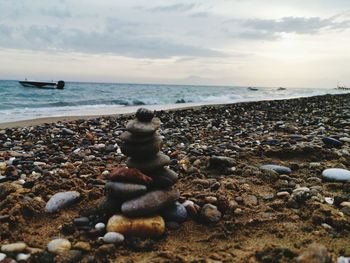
{"type": "Point", "coordinates": [59, 245]}
{"type": "Point", "coordinates": [142, 151]}
{"type": "Point", "coordinates": [277, 168]}
{"type": "Point", "coordinates": [149, 203]}
{"type": "Point", "coordinates": [134, 138]}
{"type": "Point", "coordinates": [331, 142]}
{"type": "Point", "coordinates": [2, 256]}
{"type": "Point", "coordinates": [113, 238]}
{"type": "Point", "coordinates": [315, 253]}
{"type": "Point", "coordinates": [158, 161]}
{"type": "Point", "coordinates": [175, 213]}
{"type": "Point", "coordinates": [70, 256]}
{"type": "Point", "coordinates": [144, 115]}
{"type": "Point", "coordinates": [343, 260]}
{"type": "Point", "coordinates": [61, 200]}
{"type": "Point", "coordinates": [100, 226]}
{"type": "Point", "coordinates": [221, 163]}
{"type": "Point", "coordinates": [22, 257]}
{"type": "Point", "coordinates": [336, 174]}
{"type": "Point", "coordinates": [164, 177]}
{"type": "Point", "coordinates": [14, 247]}
{"type": "Point", "coordinates": [143, 128]}
{"type": "Point", "coordinates": [83, 246]}
{"type": "Point", "coordinates": [81, 221]}
{"type": "Point", "coordinates": [124, 190]}
{"type": "Point", "coordinates": [142, 226]}
{"type": "Point", "coordinates": [210, 214]}
{"type": "Point", "coordinates": [67, 131]}
{"type": "Point", "coordinates": [129, 175]}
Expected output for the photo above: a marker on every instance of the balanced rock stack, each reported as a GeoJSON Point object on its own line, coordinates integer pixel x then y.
{"type": "Point", "coordinates": [143, 191]}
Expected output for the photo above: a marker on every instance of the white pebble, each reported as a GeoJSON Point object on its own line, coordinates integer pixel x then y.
{"type": "Point", "coordinates": [58, 246]}
{"type": "Point", "coordinates": [100, 226]}
{"type": "Point", "coordinates": [22, 257]}
{"type": "Point", "coordinates": [2, 256]}
{"type": "Point", "coordinates": [329, 200]}
{"type": "Point", "coordinates": [113, 238]}
{"type": "Point", "coordinates": [21, 181]}
{"type": "Point", "coordinates": [14, 247]}
{"type": "Point", "coordinates": [343, 260]}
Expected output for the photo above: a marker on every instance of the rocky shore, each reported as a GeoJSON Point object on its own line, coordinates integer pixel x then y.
{"type": "Point", "coordinates": [257, 182]}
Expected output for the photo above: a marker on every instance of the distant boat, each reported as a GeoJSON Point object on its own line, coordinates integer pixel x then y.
{"type": "Point", "coordinates": [253, 89]}
{"type": "Point", "coordinates": [280, 88]}
{"type": "Point", "coordinates": [42, 84]}
{"type": "Point", "coordinates": [342, 87]}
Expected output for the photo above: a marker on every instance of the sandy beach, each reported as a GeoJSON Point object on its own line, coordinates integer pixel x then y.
{"type": "Point", "coordinates": [288, 212]}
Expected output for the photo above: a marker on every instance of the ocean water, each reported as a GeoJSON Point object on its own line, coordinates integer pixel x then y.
{"type": "Point", "coordinates": [78, 98]}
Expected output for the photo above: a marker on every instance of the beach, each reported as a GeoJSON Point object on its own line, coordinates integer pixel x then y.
{"type": "Point", "coordinates": [289, 212]}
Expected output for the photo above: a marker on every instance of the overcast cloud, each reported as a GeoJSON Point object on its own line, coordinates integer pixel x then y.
{"type": "Point", "coordinates": [230, 42]}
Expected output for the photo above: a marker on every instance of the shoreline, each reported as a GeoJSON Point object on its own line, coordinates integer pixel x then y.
{"type": "Point", "coordinates": [132, 109]}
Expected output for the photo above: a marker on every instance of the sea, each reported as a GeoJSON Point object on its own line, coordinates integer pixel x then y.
{"type": "Point", "coordinates": [83, 98]}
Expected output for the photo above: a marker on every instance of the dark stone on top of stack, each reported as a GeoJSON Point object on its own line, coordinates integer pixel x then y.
{"type": "Point", "coordinates": [144, 115]}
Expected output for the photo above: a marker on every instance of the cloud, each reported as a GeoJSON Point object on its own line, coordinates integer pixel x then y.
{"type": "Point", "coordinates": [171, 8]}
{"type": "Point", "coordinates": [58, 12]}
{"type": "Point", "coordinates": [270, 29]}
{"type": "Point", "coordinates": [118, 42]}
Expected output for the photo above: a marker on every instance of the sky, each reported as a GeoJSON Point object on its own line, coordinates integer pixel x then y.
{"type": "Point", "coordinates": [290, 43]}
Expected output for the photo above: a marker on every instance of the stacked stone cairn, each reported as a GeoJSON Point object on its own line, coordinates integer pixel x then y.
{"type": "Point", "coordinates": [143, 192]}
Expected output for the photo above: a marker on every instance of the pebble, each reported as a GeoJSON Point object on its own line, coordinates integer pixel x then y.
{"type": "Point", "coordinates": [61, 200]}
{"type": "Point", "coordinates": [164, 177]}
{"type": "Point", "coordinates": [283, 194]}
{"type": "Point", "coordinates": [343, 260]}
{"type": "Point", "coordinates": [58, 246]}
{"type": "Point", "coordinates": [210, 213]}
{"type": "Point", "coordinates": [149, 203]}
{"type": "Point", "coordinates": [277, 168]}
{"type": "Point", "coordinates": [22, 257]}
{"type": "Point", "coordinates": [100, 226]}
{"type": "Point", "coordinates": [160, 160]}
{"type": "Point", "coordinates": [315, 253]}
{"type": "Point", "coordinates": [175, 213]}
{"type": "Point", "coordinates": [84, 246]}
{"type": "Point", "coordinates": [129, 175]}
{"type": "Point", "coordinates": [142, 226]}
{"type": "Point", "coordinates": [329, 200]}
{"type": "Point", "coordinates": [143, 128]}
{"type": "Point", "coordinates": [2, 256]}
{"type": "Point", "coordinates": [124, 190]}
{"type": "Point", "coordinates": [14, 247]}
{"type": "Point", "coordinates": [331, 142]}
{"type": "Point", "coordinates": [336, 174]}
{"type": "Point", "coordinates": [113, 238]}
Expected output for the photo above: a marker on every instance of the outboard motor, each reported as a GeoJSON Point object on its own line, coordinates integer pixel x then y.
{"type": "Point", "coordinates": [60, 84]}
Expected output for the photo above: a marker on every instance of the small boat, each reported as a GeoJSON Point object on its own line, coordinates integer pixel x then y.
{"type": "Point", "coordinates": [42, 84]}
{"type": "Point", "coordinates": [281, 88]}
{"type": "Point", "coordinates": [253, 89]}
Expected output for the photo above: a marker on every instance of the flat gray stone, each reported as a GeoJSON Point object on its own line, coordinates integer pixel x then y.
{"type": "Point", "coordinates": [124, 190]}
{"type": "Point", "coordinates": [160, 160]}
{"type": "Point", "coordinates": [61, 200]}
{"type": "Point", "coordinates": [277, 168]}
{"type": "Point", "coordinates": [142, 151]}
{"type": "Point", "coordinates": [149, 203]}
{"type": "Point", "coordinates": [336, 174]}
